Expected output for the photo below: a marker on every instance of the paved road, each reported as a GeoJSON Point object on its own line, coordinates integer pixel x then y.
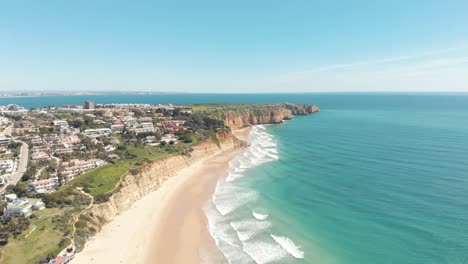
{"type": "Point", "coordinates": [16, 175]}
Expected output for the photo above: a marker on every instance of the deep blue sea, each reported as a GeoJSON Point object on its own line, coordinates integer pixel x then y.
{"type": "Point", "coordinates": [371, 179]}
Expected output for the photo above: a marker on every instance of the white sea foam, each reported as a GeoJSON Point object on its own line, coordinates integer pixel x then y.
{"type": "Point", "coordinates": [247, 229]}
{"type": "Point", "coordinates": [242, 240]}
{"type": "Point", "coordinates": [264, 252]}
{"type": "Point", "coordinates": [289, 246]}
{"type": "Point", "coordinates": [259, 216]}
{"type": "Point", "coordinates": [228, 198]}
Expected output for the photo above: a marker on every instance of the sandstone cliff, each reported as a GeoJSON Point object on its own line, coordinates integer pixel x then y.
{"type": "Point", "coordinates": [133, 187]}
{"type": "Point", "coordinates": [265, 114]}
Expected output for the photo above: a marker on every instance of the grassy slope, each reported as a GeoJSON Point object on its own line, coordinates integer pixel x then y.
{"type": "Point", "coordinates": [103, 179]}
{"type": "Point", "coordinates": [29, 247]}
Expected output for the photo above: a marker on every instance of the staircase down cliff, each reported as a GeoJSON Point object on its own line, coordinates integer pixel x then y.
{"type": "Point", "coordinates": [264, 114]}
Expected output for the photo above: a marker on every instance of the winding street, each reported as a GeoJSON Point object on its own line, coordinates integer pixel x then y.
{"type": "Point", "coordinates": [14, 177]}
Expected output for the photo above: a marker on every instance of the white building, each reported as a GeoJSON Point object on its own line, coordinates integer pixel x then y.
{"type": "Point", "coordinates": [18, 208]}
{"type": "Point", "coordinates": [36, 203]}
{"type": "Point", "coordinates": [130, 121]}
{"type": "Point", "coordinates": [4, 120]}
{"type": "Point", "coordinates": [117, 127]}
{"type": "Point", "coordinates": [145, 127]}
{"type": "Point", "coordinates": [3, 181]}
{"type": "Point", "coordinates": [98, 131]}
{"type": "Point", "coordinates": [23, 207]}
{"type": "Point", "coordinates": [60, 123]}
{"type": "Point", "coordinates": [44, 186]}
{"type": "Point", "coordinates": [7, 165]}
{"type": "Point", "coordinates": [4, 140]}
{"type": "Point", "coordinates": [168, 138]}
{"type": "Point", "coordinates": [109, 148]}
{"type": "Point", "coordinates": [10, 197]}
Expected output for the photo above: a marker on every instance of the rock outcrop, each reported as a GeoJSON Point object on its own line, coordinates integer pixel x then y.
{"type": "Point", "coordinates": [265, 114]}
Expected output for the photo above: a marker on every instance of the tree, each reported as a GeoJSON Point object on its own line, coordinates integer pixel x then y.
{"type": "Point", "coordinates": [122, 148]}
{"type": "Point", "coordinates": [4, 236]}
{"type": "Point", "coordinates": [19, 189]}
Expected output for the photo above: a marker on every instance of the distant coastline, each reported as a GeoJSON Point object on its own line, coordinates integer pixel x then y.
{"type": "Point", "coordinates": [35, 94]}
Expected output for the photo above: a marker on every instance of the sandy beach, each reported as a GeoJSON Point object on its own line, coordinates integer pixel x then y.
{"type": "Point", "coordinates": [166, 226]}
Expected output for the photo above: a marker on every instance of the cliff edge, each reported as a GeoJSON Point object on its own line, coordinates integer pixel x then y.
{"type": "Point", "coordinates": [264, 114]}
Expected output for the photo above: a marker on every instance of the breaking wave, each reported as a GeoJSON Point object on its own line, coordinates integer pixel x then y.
{"type": "Point", "coordinates": [244, 235]}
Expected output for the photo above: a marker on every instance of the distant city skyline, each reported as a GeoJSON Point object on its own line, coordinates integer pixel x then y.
{"type": "Point", "coordinates": [241, 46]}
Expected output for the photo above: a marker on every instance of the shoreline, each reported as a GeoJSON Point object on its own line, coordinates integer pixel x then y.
{"type": "Point", "coordinates": [167, 225]}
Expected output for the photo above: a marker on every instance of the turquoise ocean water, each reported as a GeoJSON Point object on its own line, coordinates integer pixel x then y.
{"type": "Point", "coordinates": [372, 178]}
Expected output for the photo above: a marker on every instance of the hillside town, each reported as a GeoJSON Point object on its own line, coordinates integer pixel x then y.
{"type": "Point", "coordinates": [63, 142]}
{"type": "Point", "coordinates": [43, 149]}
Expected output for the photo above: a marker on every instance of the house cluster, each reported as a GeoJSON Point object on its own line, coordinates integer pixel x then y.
{"type": "Point", "coordinates": [75, 167]}
{"type": "Point", "coordinates": [12, 110]}
{"type": "Point", "coordinates": [171, 126]}
{"type": "Point", "coordinates": [21, 206]}
{"type": "Point", "coordinates": [135, 118]}
{"type": "Point", "coordinates": [74, 137]}
{"type": "Point", "coordinates": [45, 146]}
{"type": "Point", "coordinates": [69, 170]}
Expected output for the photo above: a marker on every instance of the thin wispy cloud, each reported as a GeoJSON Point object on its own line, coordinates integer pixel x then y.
{"type": "Point", "coordinates": [429, 59]}
{"type": "Point", "coordinates": [421, 67]}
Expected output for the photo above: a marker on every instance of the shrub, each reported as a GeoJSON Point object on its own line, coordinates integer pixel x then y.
{"type": "Point", "coordinates": [134, 171]}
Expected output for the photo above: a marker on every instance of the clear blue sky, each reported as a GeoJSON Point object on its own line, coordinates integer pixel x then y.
{"type": "Point", "coordinates": [234, 46]}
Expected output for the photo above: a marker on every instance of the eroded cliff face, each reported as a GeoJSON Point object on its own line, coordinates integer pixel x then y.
{"type": "Point", "coordinates": [265, 114]}
{"type": "Point", "coordinates": [133, 187]}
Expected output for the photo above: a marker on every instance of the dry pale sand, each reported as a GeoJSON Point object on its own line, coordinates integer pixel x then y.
{"type": "Point", "coordinates": [167, 226]}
